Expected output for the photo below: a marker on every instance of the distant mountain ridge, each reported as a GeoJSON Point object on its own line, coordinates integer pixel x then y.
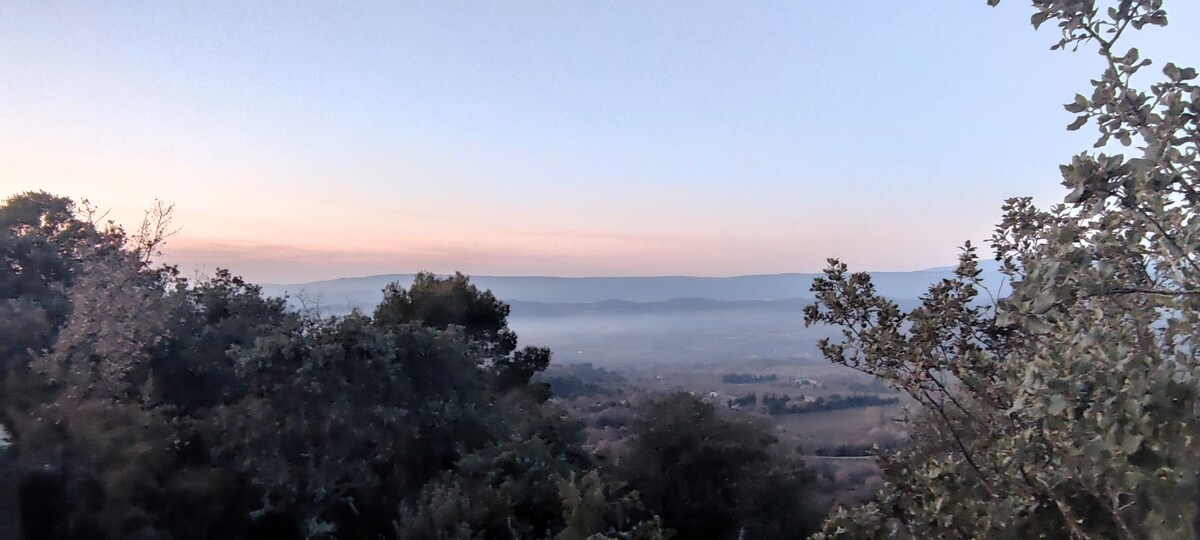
{"type": "Point", "coordinates": [365, 292]}
{"type": "Point", "coordinates": [521, 308]}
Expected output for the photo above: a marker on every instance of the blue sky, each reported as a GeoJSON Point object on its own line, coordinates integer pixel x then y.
{"type": "Point", "coordinates": [314, 140]}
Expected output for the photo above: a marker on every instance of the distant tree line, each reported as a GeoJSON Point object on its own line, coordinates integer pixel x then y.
{"type": "Point", "coordinates": [784, 404]}
{"type": "Point", "coordinates": [571, 387]}
{"type": "Point", "coordinates": [746, 378]}
{"type": "Point", "coordinates": [745, 402]}
{"type": "Point", "coordinates": [575, 380]}
{"type": "Point", "coordinates": [851, 450]}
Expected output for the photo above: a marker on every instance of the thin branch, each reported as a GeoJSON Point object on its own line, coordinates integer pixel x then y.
{"type": "Point", "coordinates": [1143, 290]}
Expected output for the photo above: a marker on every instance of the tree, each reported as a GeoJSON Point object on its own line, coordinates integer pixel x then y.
{"type": "Point", "coordinates": [92, 444]}
{"type": "Point", "coordinates": [711, 477]}
{"type": "Point", "coordinates": [42, 242]}
{"type": "Point", "coordinates": [442, 302]}
{"type": "Point", "coordinates": [454, 301]}
{"type": "Point", "coordinates": [361, 417]}
{"type": "Point", "coordinates": [146, 405]}
{"type": "Point", "coordinates": [1066, 409]}
{"type": "Point", "coordinates": [210, 316]}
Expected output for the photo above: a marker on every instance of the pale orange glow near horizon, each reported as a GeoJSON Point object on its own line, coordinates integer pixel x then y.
{"type": "Point", "coordinates": [313, 142]}
{"type": "Point", "coordinates": [230, 218]}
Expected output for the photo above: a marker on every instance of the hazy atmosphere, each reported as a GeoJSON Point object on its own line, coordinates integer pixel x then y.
{"type": "Point", "coordinates": [676, 138]}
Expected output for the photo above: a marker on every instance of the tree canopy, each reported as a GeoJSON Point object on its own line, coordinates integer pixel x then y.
{"type": "Point", "coordinates": [146, 405]}
{"type": "Point", "coordinates": [1064, 406]}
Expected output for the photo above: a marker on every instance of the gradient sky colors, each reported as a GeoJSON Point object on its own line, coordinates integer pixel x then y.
{"type": "Point", "coordinates": [317, 140]}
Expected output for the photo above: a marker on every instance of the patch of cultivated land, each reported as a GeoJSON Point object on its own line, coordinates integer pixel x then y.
{"type": "Point", "coordinates": [831, 442]}
{"type": "Point", "coordinates": [857, 427]}
{"type": "Point", "coordinates": [800, 381]}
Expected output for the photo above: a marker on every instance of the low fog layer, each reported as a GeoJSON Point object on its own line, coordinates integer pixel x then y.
{"type": "Point", "coordinates": [632, 320]}
{"type": "Point", "coordinates": [365, 292]}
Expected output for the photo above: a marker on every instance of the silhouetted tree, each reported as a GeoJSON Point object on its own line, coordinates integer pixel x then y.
{"type": "Point", "coordinates": [443, 303]}
{"type": "Point", "coordinates": [710, 477]}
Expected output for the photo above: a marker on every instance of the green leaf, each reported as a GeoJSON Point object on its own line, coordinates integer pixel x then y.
{"type": "Point", "coordinates": [1057, 405]}
{"type": "Point", "coordinates": [1038, 18]}
{"type": "Point", "coordinates": [1042, 302]}
{"type": "Point", "coordinates": [1131, 56]}
{"type": "Point", "coordinates": [1172, 72]}
{"type": "Point", "coordinates": [1131, 444]}
{"type": "Point", "coordinates": [1079, 105]}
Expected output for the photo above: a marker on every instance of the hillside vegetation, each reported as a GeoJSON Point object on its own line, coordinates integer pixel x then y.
{"type": "Point", "coordinates": [142, 404]}
{"type": "Point", "coordinates": [145, 405]}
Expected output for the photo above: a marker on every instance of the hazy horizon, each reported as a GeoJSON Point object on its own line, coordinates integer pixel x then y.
{"type": "Point", "coordinates": [287, 271]}
{"type": "Point", "coordinates": [613, 276]}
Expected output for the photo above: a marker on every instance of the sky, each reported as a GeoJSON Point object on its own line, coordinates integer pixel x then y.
{"type": "Point", "coordinates": [314, 140]}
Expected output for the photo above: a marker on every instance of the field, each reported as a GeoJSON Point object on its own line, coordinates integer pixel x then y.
{"type": "Point", "coordinates": [837, 445]}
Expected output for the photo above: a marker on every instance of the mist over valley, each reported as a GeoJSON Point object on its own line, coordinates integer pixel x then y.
{"type": "Point", "coordinates": [615, 321]}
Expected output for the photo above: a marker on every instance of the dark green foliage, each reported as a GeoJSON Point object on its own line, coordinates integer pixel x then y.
{"type": "Point", "coordinates": [1066, 408]}
{"type": "Point", "coordinates": [710, 477]}
{"type": "Point", "coordinates": [747, 401]}
{"type": "Point", "coordinates": [849, 450]}
{"type": "Point", "coordinates": [143, 405]}
{"type": "Point", "coordinates": [508, 489]}
{"type": "Point", "coordinates": [216, 314]}
{"type": "Point", "coordinates": [571, 387]}
{"type": "Point", "coordinates": [746, 378]}
{"type": "Point", "coordinates": [347, 402]}
{"type": "Point", "coordinates": [41, 245]}
{"type": "Point", "coordinates": [453, 301]}
{"type": "Point", "coordinates": [784, 404]}
{"type": "Point", "coordinates": [574, 380]}
{"type": "Point", "coordinates": [517, 369]}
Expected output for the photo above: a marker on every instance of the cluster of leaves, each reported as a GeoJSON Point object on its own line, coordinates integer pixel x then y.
{"type": "Point", "coordinates": [1066, 409]}
{"type": "Point", "coordinates": [146, 405]}
{"type": "Point", "coordinates": [715, 477]}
